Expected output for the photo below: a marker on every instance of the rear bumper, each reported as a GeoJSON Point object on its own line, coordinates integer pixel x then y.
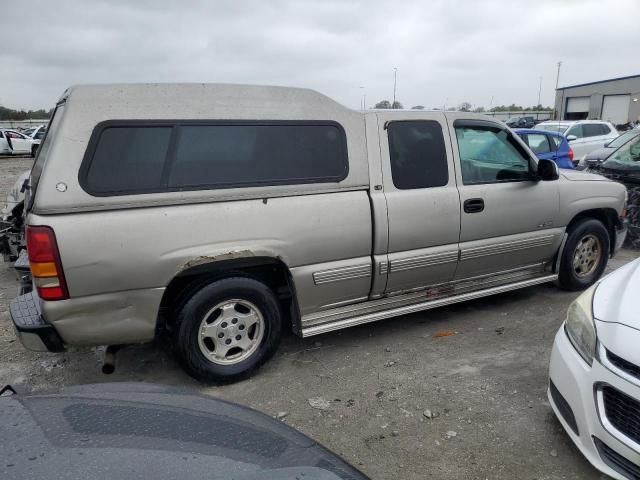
{"type": "Point", "coordinates": [32, 330]}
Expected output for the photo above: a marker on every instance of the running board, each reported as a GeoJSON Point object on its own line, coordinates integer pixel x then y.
{"type": "Point", "coordinates": [417, 307]}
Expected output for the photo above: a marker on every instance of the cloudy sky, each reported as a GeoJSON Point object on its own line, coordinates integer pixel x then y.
{"type": "Point", "coordinates": [446, 52]}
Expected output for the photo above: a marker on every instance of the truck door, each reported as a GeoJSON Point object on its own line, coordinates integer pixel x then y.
{"type": "Point", "coordinates": [423, 205]}
{"type": "Point", "coordinates": [508, 217]}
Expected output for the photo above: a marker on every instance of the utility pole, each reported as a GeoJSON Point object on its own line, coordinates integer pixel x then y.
{"type": "Point", "coordinates": [539, 90]}
{"type": "Point", "coordinates": [363, 98]}
{"type": "Point", "coordinates": [395, 83]}
{"type": "Point", "coordinates": [558, 74]}
{"type": "Point", "coordinates": [557, 113]}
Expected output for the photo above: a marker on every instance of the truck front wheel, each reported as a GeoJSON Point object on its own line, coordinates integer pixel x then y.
{"type": "Point", "coordinates": [227, 329]}
{"type": "Point", "coordinates": [585, 255]}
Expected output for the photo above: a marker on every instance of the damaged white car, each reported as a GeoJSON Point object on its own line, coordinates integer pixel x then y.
{"type": "Point", "coordinates": [594, 385]}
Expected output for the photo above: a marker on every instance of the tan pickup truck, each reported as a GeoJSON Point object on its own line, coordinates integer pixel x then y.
{"type": "Point", "coordinates": [220, 215]}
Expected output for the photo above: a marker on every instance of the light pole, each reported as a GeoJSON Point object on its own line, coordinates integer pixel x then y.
{"type": "Point", "coordinates": [539, 90]}
{"type": "Point", "coordinates": [557, 113]}
{"type": "Point", "coordinates": [395, 83]}
{"type": "Point", "coordinates": [363, 98]}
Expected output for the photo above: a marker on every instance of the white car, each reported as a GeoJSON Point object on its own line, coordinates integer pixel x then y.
{"type": "Point", "coordinates": [14, 143]}
{"type": "Point", "coordinates": [583, 136]}
{"type": "Point", "coordinates": [36, 135]}
{"type": "Point", "coordinates": [594, 385]}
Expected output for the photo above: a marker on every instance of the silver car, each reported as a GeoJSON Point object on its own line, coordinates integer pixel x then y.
{"type": "Point", "coordinates": [221, 215]}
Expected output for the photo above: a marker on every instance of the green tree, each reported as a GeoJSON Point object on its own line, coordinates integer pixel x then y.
{"type": "Point", "coordinates": [10, 114]}
{"type": "Point", "coordinates": [417, 107]}
{"type": "Point", "coordinates": [464, 107]}
{"type": "Point", "coordinates": [383, 104]}
{"type": "Point", "coordinates": [479, 110]}
{"type": "Point", "coordinates": [397, 105]}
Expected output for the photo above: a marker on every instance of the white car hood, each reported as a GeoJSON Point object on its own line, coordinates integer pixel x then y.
{"type": "Point", "coordinates": [578, 175]}
{"type": "Point", "coordinates": [617, 298]}
{"type": "Point", "coordinates": [616, 307]}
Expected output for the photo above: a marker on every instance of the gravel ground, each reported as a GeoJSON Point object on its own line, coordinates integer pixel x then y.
{"type": "Point", "coordinates": [484, 384]}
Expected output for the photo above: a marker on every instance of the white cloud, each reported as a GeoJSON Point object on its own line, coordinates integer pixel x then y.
{"type": "Point", "coordinates": [445, 51]}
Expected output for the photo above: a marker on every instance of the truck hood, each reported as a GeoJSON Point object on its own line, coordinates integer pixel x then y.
{"type": "Point", "coordinates": [580, 176]}
{"type": "Point", "coordinates": [616, 298]}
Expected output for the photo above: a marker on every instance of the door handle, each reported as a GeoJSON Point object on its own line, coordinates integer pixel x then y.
{"type": "Point", "coordinates": [474, 205]}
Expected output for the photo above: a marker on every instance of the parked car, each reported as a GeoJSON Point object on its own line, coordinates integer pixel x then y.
{"type": "Point", "coordinates": [548, 146]}
{"type": "Point", "coordinates": [594, 385]}
{"type": "Point", "coordinates": [36, 135]}
{"type": "Point", "coordinates": [521, 122]}
{"type": "Point", "coordinates": [584, 136]}
{"type": "Point", "coordinates": [598, 156]}
{"type": "Point", "coordinates": [145, 431]}
{"type": "Point", "coordinates": [14, 143]}
{"type": "Point", "coordinates": [626, 159]}
{"type": "Point", "coordinates": [624, 166]}
{"type": "Point", "coordinates": [274, 208]}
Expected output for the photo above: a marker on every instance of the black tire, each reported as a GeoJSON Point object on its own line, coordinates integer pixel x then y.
{"type": "Point", "coordinates": [194, 311]}
{"type": "Point", "coordinates": [34, 149]}
{"type": "Point", "coordinates": [568, 277]}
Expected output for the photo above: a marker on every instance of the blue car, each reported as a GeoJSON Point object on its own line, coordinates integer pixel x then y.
{"type": "Point", "coordinates": [548, 145]}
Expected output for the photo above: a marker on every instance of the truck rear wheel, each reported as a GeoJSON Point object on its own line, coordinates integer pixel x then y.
{"type": "Point", "coordinates": [227, 329]}
{"type": "Point", "coordinates": [585, 255]}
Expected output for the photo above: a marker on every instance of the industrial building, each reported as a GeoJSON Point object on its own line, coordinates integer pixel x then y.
{"type": "Point", "coordinates": [616, 100]}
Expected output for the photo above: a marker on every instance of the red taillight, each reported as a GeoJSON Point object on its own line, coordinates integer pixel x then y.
{"type": "Point", "coordinates": [570, 154]}
{"type": "Point", "coordinates": [46, 267]}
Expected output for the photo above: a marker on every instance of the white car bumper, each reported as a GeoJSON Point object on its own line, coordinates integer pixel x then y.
{"type": "Point", "coordinates": [584, 390]}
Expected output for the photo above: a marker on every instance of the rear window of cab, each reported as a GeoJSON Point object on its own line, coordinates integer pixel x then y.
{"type": "Point", "coordinates": [134, 157]}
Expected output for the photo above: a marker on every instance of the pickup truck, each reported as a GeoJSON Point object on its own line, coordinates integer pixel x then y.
{"type": "Point", "coordinates": [221, 215]}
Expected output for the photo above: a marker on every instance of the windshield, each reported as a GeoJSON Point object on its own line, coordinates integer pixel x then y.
{"type": "Point", "coordinates": [553, 127]}
{"type": "Point", "coordinates": [626, 158]}
{"type": "Point", "coordinates": [624, 138]}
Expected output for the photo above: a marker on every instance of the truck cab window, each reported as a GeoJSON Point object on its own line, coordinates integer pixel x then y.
{"type": "Point", "coordinates": [490, 155]}
{"type": "Point", "coordinates": [418, 155]}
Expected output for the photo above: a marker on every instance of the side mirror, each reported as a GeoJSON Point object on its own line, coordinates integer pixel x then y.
{"type": "Point", "coordinates": [571, 138]}
{"type": "Point", "coordinates": [607, 144]}
{"type": "Point", "coordinates": [547, 170]}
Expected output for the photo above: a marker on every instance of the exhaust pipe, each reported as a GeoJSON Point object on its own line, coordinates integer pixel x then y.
{"type": "Point", "coordinates": [109, 364]}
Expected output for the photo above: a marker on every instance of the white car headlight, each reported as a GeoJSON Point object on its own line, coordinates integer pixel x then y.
{"type": "Point", "coordinates": [580, 327]}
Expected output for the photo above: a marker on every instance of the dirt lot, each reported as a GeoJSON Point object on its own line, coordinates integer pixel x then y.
{"type": "Point", "coordinates": [486, 383]}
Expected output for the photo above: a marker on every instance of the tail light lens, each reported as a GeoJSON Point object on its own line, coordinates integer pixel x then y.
{"type": "Point", "coordinates": [46, 268]}
{"type": "Point", "coordinates": [570, 154]}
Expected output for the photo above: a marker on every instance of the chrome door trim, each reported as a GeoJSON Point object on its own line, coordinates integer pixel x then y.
{"type": "Point", "coordinates": [505, 247]}
{"type": "Point", "coordinates": [422, 261]}
{"type": "Point", "coordinates": [342, 273]}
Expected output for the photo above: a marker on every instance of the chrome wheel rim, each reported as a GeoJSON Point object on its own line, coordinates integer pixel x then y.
{"type": "Point", "coordinates": [231, 332]}
{"type": "Point", "coordinates": [586, 256]}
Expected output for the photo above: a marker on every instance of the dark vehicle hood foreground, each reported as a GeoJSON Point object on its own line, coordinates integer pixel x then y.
{"type": "Point", "coordinates": [600, 154]}
{"type": "Point", "coordinates": [141, 431]}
